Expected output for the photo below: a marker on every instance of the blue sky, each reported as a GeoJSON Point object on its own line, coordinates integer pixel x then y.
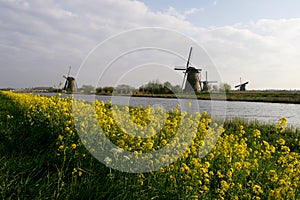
{"type": "Point", "coordinates": [229, 12]}
{"type": "Point", "coordinates": [258, 41]}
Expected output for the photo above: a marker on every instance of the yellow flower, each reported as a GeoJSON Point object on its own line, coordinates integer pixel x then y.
{"type": "Point", "coordinates": [149, 145]}
{"type": "Point", "coordinates": [67, 128]}
{"type": "Point", "coordinates": [73, 146]}
{"type": "Point", "coordinates": [281, 141]}
{"type": "Point", "coordinates": [74, 171]}
{"type": "Point", "coordinates": [272, 175]}
{"type": "Point", "coordinates": [79, 173]}
{"type": "Point", "coordinates": [256, 133]}
{"type": "Point", "coordinates": [224, 185]}
{"type": "Point", "coordinates": [9, 117]}
{"type": "Point", "coordinates": [257, 189]}
{"type": "Point", "coordinates": [163, 142]}
{"type": "Point", "coordinates": [60, 137]}
{"type": "Point", "coordinates": [190, 188]}
{"type": "Point", "coordinates": [238, 165]}
{"type": "Point", "coordinates": [281, 124]}
{"type": "Point", "coordinates": [61, 147]}
{"type": "Point", "coordinates": [206, 164]}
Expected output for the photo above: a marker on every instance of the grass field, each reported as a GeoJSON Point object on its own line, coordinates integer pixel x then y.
{"type": "Point", "coordinates": [42, 156]}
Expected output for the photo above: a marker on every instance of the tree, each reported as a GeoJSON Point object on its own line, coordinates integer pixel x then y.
{"type": "Point", "coordinates": [124, 89]}
{"type": "Point", "coordinates": [215, 87]}
{"type": "Point", "coordinates": [225, 86]}
{"type": "Point", "coordinates": [99, 90]}
{"type": "Point", "coordinates": [108, 89]}
{"type": "Point", "coordinates": [88, 89]}
{"type": "Point", "coordinates": [167, 88]}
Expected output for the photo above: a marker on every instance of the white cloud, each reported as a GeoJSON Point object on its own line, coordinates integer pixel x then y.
{"type": "Point", "coordinates": [268, 57]}
{"type": "Point", "coordinates": [173, 12]}
{"type": "Point", "coordinates": [39, 40]}
{"type": "Point", "coordinates": [192, 11]}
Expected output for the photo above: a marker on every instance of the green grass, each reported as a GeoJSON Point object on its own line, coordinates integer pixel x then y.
{"type": "Point", "coordinates": [30, 167]}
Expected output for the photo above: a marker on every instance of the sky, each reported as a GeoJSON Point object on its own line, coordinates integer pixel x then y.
{"type": "Point", "coordinates": [255, 41]}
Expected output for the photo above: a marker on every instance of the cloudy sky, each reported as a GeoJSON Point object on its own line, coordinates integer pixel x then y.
{"type": "Point", "coordinates": [258, 41]}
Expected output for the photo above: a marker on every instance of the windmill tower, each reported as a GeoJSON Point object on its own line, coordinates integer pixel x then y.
{"type": "Point", "coordinates": [191, 80]}
{"type": "Point", "coordinates": [70, 85]}
{"type": "Point", "coordinates": [205, 83]}
{"type": "Point", "coordinates": [242, 86]}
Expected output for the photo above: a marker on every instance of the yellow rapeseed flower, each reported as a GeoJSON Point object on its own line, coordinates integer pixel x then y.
{"type": "Point", "coordinates": [79, 173]}
{"type": "Point", "coordinates": [257, 189]}
{"type": "Point", "coordinates": [224, 185]}
{"type": "Point", "coordinates": [9, 117]}
{"type": "Point", "coordinates": [256, 133]}
{"type": "Point", "coordinates": [60, 137]}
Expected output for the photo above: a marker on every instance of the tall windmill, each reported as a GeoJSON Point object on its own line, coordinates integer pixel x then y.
{"type": "Point", "coordinates": [70, 85]}
{"type": "Point", "coordinates": [205, 83]}
{"type": "Point", "coordinates": [191, 80]}
{"type": "Point", "coordinates": [242, 86]}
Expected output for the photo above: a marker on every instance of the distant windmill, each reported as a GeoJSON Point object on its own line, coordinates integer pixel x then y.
{"type": "Point", "coordinates": [242, 86]}
{"type": "Point", "coordinates": [70, 85]}
{"type": "Point", "coordinates": [191, 81]}
{"type": "Point", "coordinates": [206, 82]}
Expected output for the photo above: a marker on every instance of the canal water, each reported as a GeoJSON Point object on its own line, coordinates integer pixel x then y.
{"type": "Point", "coordinates": [264, 112]}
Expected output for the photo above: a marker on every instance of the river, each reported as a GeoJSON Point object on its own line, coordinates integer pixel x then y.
{"type": "Point", "coordinates": [264, 112]}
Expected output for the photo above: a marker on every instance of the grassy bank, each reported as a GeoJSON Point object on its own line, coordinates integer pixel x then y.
{"type": "Point", "coordinates": [265, 96]}
{"type": "Point", "coordinates": [250, 96]}
{"type": "Point", "coordinates": [42, 156]}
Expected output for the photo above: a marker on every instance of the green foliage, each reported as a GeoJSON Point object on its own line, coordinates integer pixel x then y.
{"type": "Point", "coordinates": [155, 87]}
{"type": "Point", "coordinates": [88, 89]}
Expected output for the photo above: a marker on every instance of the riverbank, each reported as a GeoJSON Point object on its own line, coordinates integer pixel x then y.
{"type": "Point", "coordinates": [43, 157]}
{"type": "Point", "coordinates": [292, 97]}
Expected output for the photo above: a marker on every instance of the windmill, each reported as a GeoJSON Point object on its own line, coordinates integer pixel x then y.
{"type": "Point", "coordinates": [191, 81]}
{"type": "Point", "coordinates": [205, 83]}
{"type": "Point", "coordinates": [242, 86]}
{"type": "Point", "coordinates": [70, 85]}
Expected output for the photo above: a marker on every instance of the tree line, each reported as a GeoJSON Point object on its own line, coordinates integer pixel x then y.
{"type": "Point", "coordinates": [152, 87]}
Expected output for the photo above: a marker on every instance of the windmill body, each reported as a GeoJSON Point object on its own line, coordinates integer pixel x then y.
{"type": "Point", "coordinates": [70, 85]}
{"type": "Point", "coordinates": [193, 81]}
{"type": "Point", "coordinates": [205, 83]}
{"type": "Point", "coordinates": [242, 86]}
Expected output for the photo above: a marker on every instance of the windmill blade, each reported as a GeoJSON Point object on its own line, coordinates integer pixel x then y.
{"type": "Point", "coordinates": [183, 82]}
{"type": "Point", "coordinates": [65, 87]}
{"type": "Point", "coordinates": [76, 85]}
{"type": "Point", "coordinates": [188, 61]}
{"type": "Point", "coordinates": [69, 71]}
{"type": "Point", "coordinates": [177, 68]}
